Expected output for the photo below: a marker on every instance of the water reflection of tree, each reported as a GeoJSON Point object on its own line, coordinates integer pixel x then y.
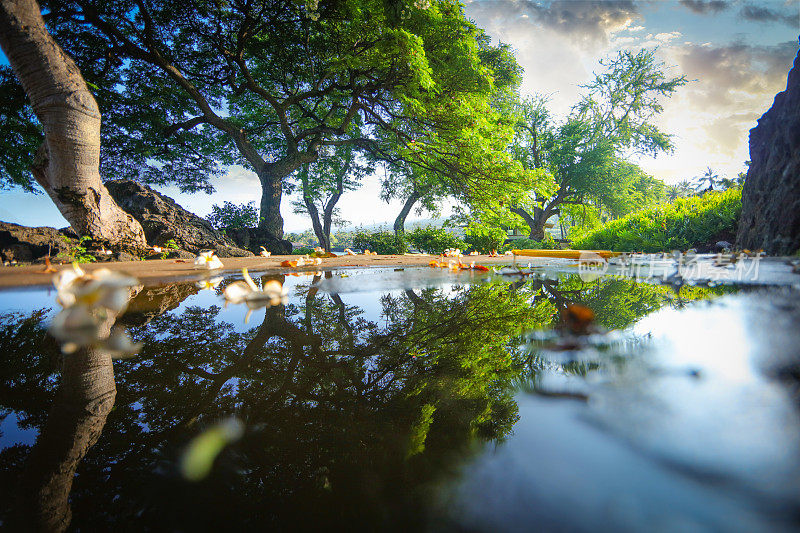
{"type": "Point", "coordinates": [348, 419]}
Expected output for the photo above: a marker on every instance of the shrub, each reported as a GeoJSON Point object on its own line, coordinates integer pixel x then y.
{"type": "Point", "coordinates": [231, 215]}
{"type": "Point", "coordinates": [304, 250]}
{"type": "Point", "coordinates": [683, 224]}
{"type": "Point", "coordinates": [484, 239]}
{"type": "Point", "coordinates": [383, 242]}
{"type": "Point", "coordinates": [433, 240]}
{"type": "Point", "coordinates": [548, 243]}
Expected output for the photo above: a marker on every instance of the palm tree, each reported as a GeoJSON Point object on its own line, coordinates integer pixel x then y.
{"type": "Point", "coordinates": [707, 181]}
{"type": "Point", "coordinates": [681, 190]}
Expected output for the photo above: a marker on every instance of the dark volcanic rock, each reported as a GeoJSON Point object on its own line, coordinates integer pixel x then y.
{"type": "Point", "coordinates": [151, 302]}
{"type": "Point", "coordinates": [771, 196]}
{"type": "Point", "coordinates": [164, 220]}
{"type": "Point", "coordinates": [253, 239]}
{"type": "Point", "coordinates": [24, 244]}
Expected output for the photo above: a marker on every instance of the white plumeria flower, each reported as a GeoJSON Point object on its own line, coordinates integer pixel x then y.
{"type": "Point", "coordinates": [119, 345]}
{"type": "Point", "coordinates": [102, 288]}
{"type": "Point", "coordinates": [264, 252]}
{"type": "Point", "coordinates": [88, 299]}
{"type": "Point", "coordinates": [272, 293]}
{"type": "Point", "coordinates": [209, 284]}
{"type": "Point", "coordinates": [208, 260]}
{"type": "Point", "coordinates": [74, 327]}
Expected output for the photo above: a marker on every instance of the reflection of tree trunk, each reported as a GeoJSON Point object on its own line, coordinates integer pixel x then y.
{"type": "Point", "coordinates": [79, 412]}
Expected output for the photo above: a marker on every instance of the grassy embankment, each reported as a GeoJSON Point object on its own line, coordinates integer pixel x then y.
{"type": "Point", "coordinates": [694, 222]}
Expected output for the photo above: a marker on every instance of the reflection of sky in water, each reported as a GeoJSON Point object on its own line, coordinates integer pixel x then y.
{"type": "Point", "coordinates": [12, 434]}
{"type": "Point", "coordinates": [27, 300]}
{"type": "Point", "coordinates": [683, 431]}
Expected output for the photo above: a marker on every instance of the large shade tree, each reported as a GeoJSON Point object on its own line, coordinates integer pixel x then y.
{"type": "Point", "coordinates": [189, 87]}
{"type": "Point", "coordinates": [66, 164]}
{"type": "Point", "coordinates": [586, 153]}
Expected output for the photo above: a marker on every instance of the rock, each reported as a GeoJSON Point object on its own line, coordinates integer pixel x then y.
{"type": "Point", "coordinates": [24, 244]}
{"type": "Point", "coordinates": [253, 239]}
{"type": "Point", "coordinates": [164, 220]}
{"type": "Point", "coordinates": [771, 196]}
{"type": "Point", "coordinates": [151, 302]}
{"type": "Point", "coordinates": [723, 245]}
{"type": "Point", "coordinates": [125, 256]}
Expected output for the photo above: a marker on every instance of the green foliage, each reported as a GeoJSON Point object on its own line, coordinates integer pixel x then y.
{"type": "Point", "coordinates": [20, 134]}
{"type": "Point", "coordinates": [305, 250]}
{"type": "Point", "coordinates": [485, 238]}
{"type": "Point", "coordinates": [383, 242]}
{"type": "Point", "coordinates": [168, 247]}
{"type": "Point", "coordinates": [683, 224]}
{"type": "Point", "coordinates": [231, 215]}
{"type": "Point", "coordinates": [586, 153]}
{"type": "Point", "coordinates": [548, 243]}
{"type": "Point", "coordinates": [433, 240]}
{"type": "Point", "coordinates": [187, 89]}
{"type": "Point", "coordinates": [77, 252]}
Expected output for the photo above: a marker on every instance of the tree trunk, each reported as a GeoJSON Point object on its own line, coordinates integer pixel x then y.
{"type": "Point", "coordinates": [400, 221]}
{"type": "Point", "coordinates": [535, 222]}
{"type": "Point", "coordinates": [330, 205]}
{"type": "Point", "coordinates": [74, 424]}
{"type": "Point", "coordinates": [67, 165]}
{"type": "Point", "coordinates": [319, 231]}
{"type": "Point", "coordinates": [270, 219]}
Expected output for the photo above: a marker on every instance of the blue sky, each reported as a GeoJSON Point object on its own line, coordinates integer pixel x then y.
{"type": "Point", "coordinates": [736, 52]}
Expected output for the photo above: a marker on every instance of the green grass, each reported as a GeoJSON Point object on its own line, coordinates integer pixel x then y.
{"type": "Point", "coordinates": [680, 225]}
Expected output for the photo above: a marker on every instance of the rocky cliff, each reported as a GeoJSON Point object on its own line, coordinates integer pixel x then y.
{"type": "Point", "coordinates": [771, 196]}
{"type": "Point", "coordinates": [164, 220]}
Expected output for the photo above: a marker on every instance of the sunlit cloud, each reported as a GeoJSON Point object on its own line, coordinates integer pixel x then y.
{"type": "Point", "coordinates": [732, 83]}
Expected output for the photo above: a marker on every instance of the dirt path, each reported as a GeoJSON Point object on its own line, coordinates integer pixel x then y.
{"type": "Point", "coordinates": [165, 270]}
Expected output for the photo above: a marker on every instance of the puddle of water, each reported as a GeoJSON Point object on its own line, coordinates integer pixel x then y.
{"type": "Point", "coordinates": [384, 399]}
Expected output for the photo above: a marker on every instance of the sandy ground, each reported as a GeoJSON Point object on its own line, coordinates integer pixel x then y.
{"type": "Point", "coordinates": [158, 271]}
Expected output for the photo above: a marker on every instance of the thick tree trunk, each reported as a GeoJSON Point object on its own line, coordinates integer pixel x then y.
{"type": "Point", "coordinates": [67, 165]}
{"type": "Point", "coordinates": [400, 221]}
{"type": "Point", "coordinates": [74, 424]}
{"type": "Point", "coordinates": [535, 222]}
{"type": "Point", "coordinates": [541, 215]}
{"type": "Point", "coordinates": [270, 219]}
